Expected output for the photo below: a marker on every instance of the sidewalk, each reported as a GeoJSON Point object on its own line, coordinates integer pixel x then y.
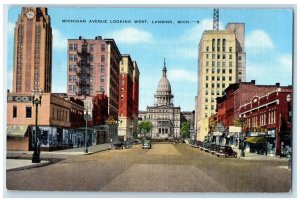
{"type": "Point", "coordinates": [17, 160]}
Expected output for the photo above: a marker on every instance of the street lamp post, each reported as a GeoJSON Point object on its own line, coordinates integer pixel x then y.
{"type": "Point", "coordinates": [36, 101]}
{"type": "Point", "coordinates": [242, 121]}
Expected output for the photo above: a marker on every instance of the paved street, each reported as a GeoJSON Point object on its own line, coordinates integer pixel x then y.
{"type": "Point", "coordinates": [164, 168]}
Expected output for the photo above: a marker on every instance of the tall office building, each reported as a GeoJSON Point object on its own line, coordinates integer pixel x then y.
{"type": "Point", "coordinates": [32, 51]}
{"type": "Point", "coordinates": [135, 98]}
{"type": "Point", "coordinates": [221, 61]}
{"type": "Point", "coordinates": [125, 98]}
{"type": "Point", "coordinates": [93, 68]}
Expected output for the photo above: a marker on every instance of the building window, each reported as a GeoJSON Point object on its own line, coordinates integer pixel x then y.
{"type": "Point", "coordinates": [102, 88]}
{"type": "Point", "coordinates": [71, 47]}
{"type": "Point", "coordinates": [75, 68]}
{"type": "Point", "coordinates": [91, 47]}
{"type": "Point", "coordinates": [230, 71]}
{"type": "Point", "coordinates": [102, 79]}
{"type": "Point", "coordinates": [218, 64]}
{"type": "Point", "coordinates": [28, 112]}
{"type": "Point", "coordinates": [230, 78]}
{"type": "Point", "coordinates": [102, 47]}
{"type": "Point", "coordinates": [230, 64]}
{"type": "Point", "coordinates": [70, 88]}
{"type": "Point", "coordinates": [102, 58]}
{"type": "Point", "coordinates": [75, 58]}
{"type": "Point", "coordinates": [207, 56]}
{"type": "Point", "coordinates": [212, 107]}
{"type": "Point", "coordinates": [218, 85]}
{"type": "Point", "coordinates": [218, 71]}
{"type": "Point", "coordinates": [213, 63]}
{"type": "Point", "coordinates": [206, 78]}
{"type": "Point", "coordinates": [205, 115]}
{"type": "Point", "coordinates": [213, 85]}
{"type": "Point", "coordinates": [213, 78]}
{"type": "Point", "coordinates": [75, 47]}
{"type": "Point", "coordinates": [206, 92]}
{"type": "Point", "coordinates": [223, 71]}
{"type": "Point", "coordinates": [206, 85]}
{"type": "Point", "coordinates": [70, 78]}
{"type": "Point", "coordinates": [230, 49]}
{"type": "Point", "coordinates": [207, 71]}
{"type": "Point", "coordinates": [240, 57]}
{"type": "Point", "coordinates": [70, 68]}
{"type": "Point", "coordinates": [223, 85]}
{"type": "Point", "coordinates": [91, 58]}
{"type": "Point", "coordinates": [102, 68]}
{"type": "Point", "coordinates": [206, 99]}
{"type": "Point", "coordinates": [230, 56]}
{"type": "Point", "coordinates": [91, 89]}
{"type": "Point", "coordinates": [219, 57]}
{"type": "Point", "coordinates": [15, 110]}
{"type": "Point", "coordinates": [91, 69]}
{"type": "Point", "coordinates": [223, 78]}
{"type": "Point", "coordinates": [71, 57]}
{"type": "Point", "coordinates": [213, 56]}
{"type": "Point", "coordinates": [74, 78]}
{"type": "Point", "coordinates": [207, 48]}
{"type": "Point", "coordinates": [207, 63]}
{"type": "Point", "coordinates": [206, 107]}
{"type": "Point", "coordinates": [91, 78]}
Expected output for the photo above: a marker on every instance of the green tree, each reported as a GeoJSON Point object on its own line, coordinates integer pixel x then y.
{"type": "Point", "coordinates": [145, 127]}
{"type": "Point", "coordinates": [185, 130]}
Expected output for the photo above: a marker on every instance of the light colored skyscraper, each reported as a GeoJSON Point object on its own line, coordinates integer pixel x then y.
{"type": "Point", "coordinates": [221, 61]}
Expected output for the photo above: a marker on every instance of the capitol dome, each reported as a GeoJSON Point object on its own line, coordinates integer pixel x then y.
{"type": "Point", "coordinates": [164, 84]}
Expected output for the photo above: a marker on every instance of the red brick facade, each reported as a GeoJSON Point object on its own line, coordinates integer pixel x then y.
{"type": "Point", "coordinates": [228, 106]}
{"type": "Point", "coordinates": [270, 114]}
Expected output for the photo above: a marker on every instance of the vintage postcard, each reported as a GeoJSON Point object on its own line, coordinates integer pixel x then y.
{"type": "Point", "coordinates": [149, 99]}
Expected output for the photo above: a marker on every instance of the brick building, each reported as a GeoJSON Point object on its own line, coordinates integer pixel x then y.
{"type": "Point", "coordinates": [32, 50]}
{"type": "Point", "coordinates": [126, 98]}
{"type": "Point", "coordinates": [58, 119]}
{"type": "Point", "coordinates": [93, 68]}
{"type": "Point", "coordinates": [228, 106]}
{"type": "Point", "coordinates": [268, 120]}
{"type": "Point", "coordinates": [135, 98]}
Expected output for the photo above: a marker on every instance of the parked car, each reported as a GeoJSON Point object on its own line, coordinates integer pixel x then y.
{"type": "Point", "coordinates": [137, 141]}
{"type": "Point", "coordinates": [206, 146]}
{"type": "Point", "coordinates": [214, 148]}
{"type": "Point", "coordinates": [146, 144]}
{"type": "Point", "coordinates": [118, 145]}
{"type": "Point", "coordinates": [226, 151]}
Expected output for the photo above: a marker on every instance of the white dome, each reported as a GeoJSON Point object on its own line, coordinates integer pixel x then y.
{"type": "Point", "coordinates": [164, 85]}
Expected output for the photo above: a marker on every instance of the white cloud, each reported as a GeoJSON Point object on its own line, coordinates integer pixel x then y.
{"type": "Point", "coordinates": [131, 35]}
{"type": "Point", "coordinates": [182, 75]}
{"type": "Point", "coordinates": [59, 41]}
{"type": "Point", "coordinates": [258, 41]}
{"type": "Point", "coordinates": [285, 62]}
{"type": "Point", "coordinates": [195, 33]}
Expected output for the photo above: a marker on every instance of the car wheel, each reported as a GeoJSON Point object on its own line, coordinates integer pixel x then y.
{"type": "Point", "coordinates": [226, 155]}
{"type": "Point", "coordinates": [218, 156]}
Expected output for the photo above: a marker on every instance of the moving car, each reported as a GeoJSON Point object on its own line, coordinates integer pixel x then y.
{"type": "Point", "coordinates": [146, 144]}
{"type": "Point", "coordinates": [226, 151]}
{"type": "Point", "coordinates": [118, 145]}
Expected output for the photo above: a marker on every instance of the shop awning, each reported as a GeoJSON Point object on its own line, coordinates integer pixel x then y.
{"type": "Point", "coordinates": [255, 140]}
{"type": "Point", "coordinates": [249, 139]}
{"type": "Point", "coordinates": [16, 130]}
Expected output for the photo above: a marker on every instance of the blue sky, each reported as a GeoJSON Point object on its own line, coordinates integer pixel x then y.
{"type": "Point", "coordinates": [268, 44]}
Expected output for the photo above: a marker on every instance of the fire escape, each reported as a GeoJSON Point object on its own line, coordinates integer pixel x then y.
{"type": "Point", "coordinates": [83, 71]}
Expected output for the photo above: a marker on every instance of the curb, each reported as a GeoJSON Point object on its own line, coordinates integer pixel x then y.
{"type": "Point", "coordinates": [30, 166]}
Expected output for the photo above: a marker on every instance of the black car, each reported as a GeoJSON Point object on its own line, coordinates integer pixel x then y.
{"type": "Point", "coordinates": [214, 148]}
{"type": "Point", "coordinates": [226, 151]}
{"type": "Point", "coordinates": [118, 145]}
